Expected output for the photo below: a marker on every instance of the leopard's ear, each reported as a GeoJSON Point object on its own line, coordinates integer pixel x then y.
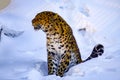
{"type": "Point", "coordinates": [54, 16]}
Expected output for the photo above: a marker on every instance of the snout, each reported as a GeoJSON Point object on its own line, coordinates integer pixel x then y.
{"type": "Point", "coordinates": [35, 25]}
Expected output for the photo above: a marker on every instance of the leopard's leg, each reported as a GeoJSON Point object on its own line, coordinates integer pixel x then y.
{"type": "Point", "coordinates": [52, 63]}
{"type": "Point", "coordinates": [63, 64]}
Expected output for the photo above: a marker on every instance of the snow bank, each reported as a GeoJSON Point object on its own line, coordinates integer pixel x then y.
{"type": "Point", "coordinates": [25, 57]}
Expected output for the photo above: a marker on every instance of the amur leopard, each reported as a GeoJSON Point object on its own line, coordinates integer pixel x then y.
{"type": "Point", "coordinates": [62, 49]}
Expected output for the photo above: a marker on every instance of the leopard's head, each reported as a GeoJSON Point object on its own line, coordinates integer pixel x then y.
{"type": "Point", "coordinates": [44, 21]}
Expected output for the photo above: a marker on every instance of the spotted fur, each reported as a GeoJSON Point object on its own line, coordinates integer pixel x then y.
{"type": "Point", "coordinates": [62, 48]}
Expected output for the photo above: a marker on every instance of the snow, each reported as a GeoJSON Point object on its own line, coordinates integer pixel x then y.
{"type": "Point", "coordinates": [25, 57]}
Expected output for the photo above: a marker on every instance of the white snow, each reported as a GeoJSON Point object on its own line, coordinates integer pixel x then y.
{"type": "Point", "coordinates": [25, 57]}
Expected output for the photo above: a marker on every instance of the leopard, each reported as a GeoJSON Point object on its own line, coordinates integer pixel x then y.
{"type": "Point", "coordinates": [62, 48]}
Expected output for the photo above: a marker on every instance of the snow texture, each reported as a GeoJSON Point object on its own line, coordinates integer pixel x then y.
{"type": "Point", "coordinates": [9, 32]}
{"type": "Point", "coordinates": [92, 21]}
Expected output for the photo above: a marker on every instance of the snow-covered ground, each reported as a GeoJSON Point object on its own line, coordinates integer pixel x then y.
{"type": "Point", "coordinates": [25, 57]}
